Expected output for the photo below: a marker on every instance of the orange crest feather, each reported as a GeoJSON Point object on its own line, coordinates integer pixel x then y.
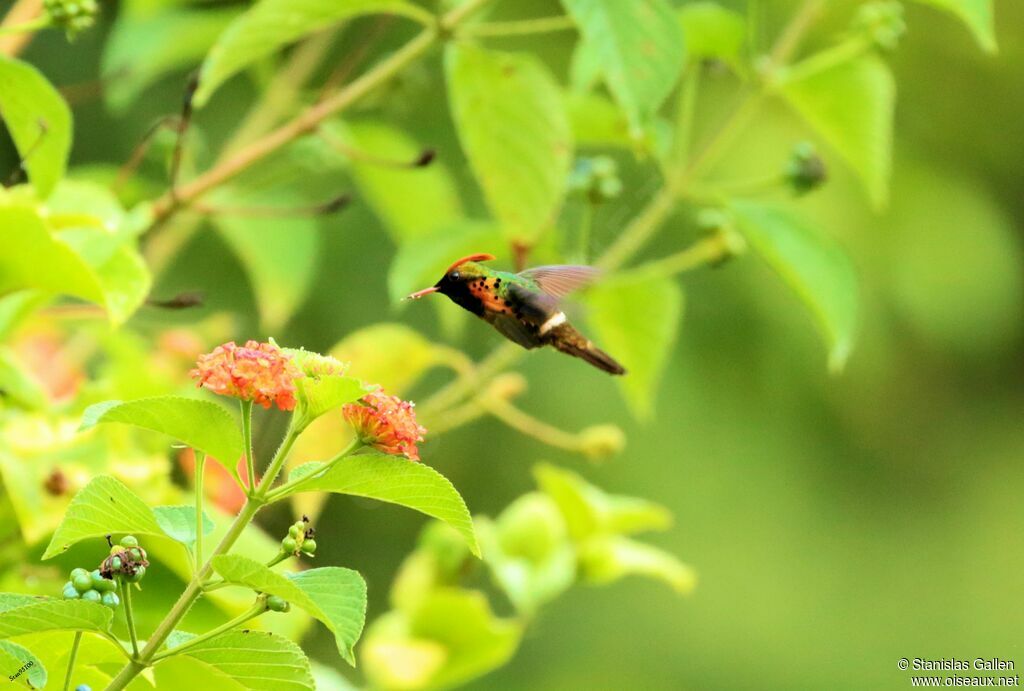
{"type": "Point", "coordinates": [471, 258]}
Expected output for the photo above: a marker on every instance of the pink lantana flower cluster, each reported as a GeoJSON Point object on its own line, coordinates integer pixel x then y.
{"type": "Point", "coordinates": [387, 423]}
{"type": "Point", "coordinates": [259, 372]}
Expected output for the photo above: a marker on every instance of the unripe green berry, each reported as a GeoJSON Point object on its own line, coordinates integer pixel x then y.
{"type": "Point", "coordinates": [92, 596]}
{"type": "Point", "coordinates": [129, 541]}
{"type": "Point", "coordinates": [294, 531]}
{"type": "Point", "coordinates": [115, 563]}
{"type": "Point", "coordinates": [104, 585]}
{"type": "Point", "coordinates": [309, 546]}
{"type": "Point", "coordinates": [289, 545]}
{"type": "Point", "coordinates": [111, 600]}
{"type": "Point", "coordinates": [83, 687]}
{"type": "Point", "coordinates": [609, 188]}
{"type": "Point", "coordinates": [79, 572]}
{"type": "Point", "coordinates": [278, 604]}
{"type": "Point", "coordinates": [603, 166]}
{"type": "Point", "coordinates": [69, 592]}
{"type": "Point", "coordinates": [140, 572]}
{"type": "Point", "coordinates": [82, 582]}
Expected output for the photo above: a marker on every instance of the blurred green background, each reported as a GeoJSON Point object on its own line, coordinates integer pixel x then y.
{"type": "Point", "coordinates": [837, 523]}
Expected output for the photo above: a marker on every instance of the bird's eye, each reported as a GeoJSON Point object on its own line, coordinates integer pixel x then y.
{"type": "Point", "coordinates": [454, 275]}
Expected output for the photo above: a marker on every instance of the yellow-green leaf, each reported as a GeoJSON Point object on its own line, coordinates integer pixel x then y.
{"type": "Point", "coordinates": [38, 120]}
{"type": "Point", "coordinates": [639, 48]}
{"type": "Point", "coordinates": [851, 104]}
{"type": "Point", "coordinates": [812, 265]}
{"type": "Point", "coordinates": [270, 25]}
{"type": "Point", "coordinates": [978, 15]}
{"type": "Point", "coordinates": [511, 121]}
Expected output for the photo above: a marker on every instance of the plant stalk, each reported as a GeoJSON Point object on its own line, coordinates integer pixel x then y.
{"type": "Point", "coordinates": [126, 598]}
{"type": "Point", "coordinates": [250, 461]}
{"type": "Point", "coordinates": [200, 457]}
{"type": "Point", "coordinates": [71, 660]}
{"type": "Point", "coordinates": [258, 608]}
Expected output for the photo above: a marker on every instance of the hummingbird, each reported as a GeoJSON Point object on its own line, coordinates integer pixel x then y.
{"type": "Point", "coordinates": [523, 307]}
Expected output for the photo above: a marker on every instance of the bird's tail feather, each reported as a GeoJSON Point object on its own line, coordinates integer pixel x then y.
{"type": "Point", "coordinates": [572, 342]}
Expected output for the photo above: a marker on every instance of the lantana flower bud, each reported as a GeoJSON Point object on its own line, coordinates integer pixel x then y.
{"type": "Point", "coordinates": [386, 423]}
{"type": "Point", "coordinates": [259, 372]}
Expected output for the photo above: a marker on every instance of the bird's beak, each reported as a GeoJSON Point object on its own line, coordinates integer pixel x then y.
{"type": "Point", "coordinates": [420, 293]}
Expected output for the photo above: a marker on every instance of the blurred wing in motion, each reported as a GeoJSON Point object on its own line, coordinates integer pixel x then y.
{"type": "Point", "coordinates": [561, 279]}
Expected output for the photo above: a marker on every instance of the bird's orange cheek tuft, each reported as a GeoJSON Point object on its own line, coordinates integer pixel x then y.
{"type": "Point", "coordinates": [483, 291]}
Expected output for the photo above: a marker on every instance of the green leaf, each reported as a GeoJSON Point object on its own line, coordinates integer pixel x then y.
{"type": "Point", "coordinates": [589, 510]}
{"type": "Point", "coordinates": [978, 15]}
{"type": "Point", "coordinates": [636, 319]}
{"type": "Point", "coordinates": [411, 202]}
{"type": "Point", "coordinates": [451, 638]}
{"type": "Point", "coordinates": [421, 262]}
{"type": "Point", "coordinates": [203, 425]}
{"type": "Point", "coordinates": [17, 386]}
{"type": "Point", "coordinates": [334, 596]}
{"type": "Point", "coordinates": [33, 258]}
{"type": "Point", "coordinates": [609, 558]}
{"type": "Point", "coordinates": [55, 615]}
{"type": "Point", "coordinates": [102, 507]}
{"type": "Point", "coordinates": [256, 661]}
{"type": "Point", "coordinates": [640, 47]}
{"type": "Point", "coordinates": [712, 31]}
{"type": "Point", "coordinates": [125, 280]}
{"type": "Point", "coordinates": [143, 48]}
{"type": "Point", "coordinates": [279, 255]}
{"type": "Point", "coordinates": [513, 127]}
{"type": "Point", "coordinates": [330, 393]}
{"type": "Point", "coordinates": [12, 600]}
{"type": "Point", "coordinates": [94, 264]}
{"type": "Point", "coordinates": [270, 25]}
{"type": "Point", "coordinates": [850, 102]}
{"type": "Point", "coordinates": [13, 657]}
{"type": "Point", "coordinates": [398, 481]}
{"type": "Point", "coordinates": [815, 267]}
{"type": "Point", "coordinates": [179, 522]}
{"type": "Point", "coordinates": [341, 596]}
{"type": "Point", "coordinates": [38, 120]}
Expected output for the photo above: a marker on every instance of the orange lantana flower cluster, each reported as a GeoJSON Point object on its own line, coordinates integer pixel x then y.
{"type": "Point", "coordinates": [259, 372]}
{"type": "Point", "coordinates": [386, 423]}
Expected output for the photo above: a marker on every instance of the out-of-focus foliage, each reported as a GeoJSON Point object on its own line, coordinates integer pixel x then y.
{"type": "Point", "coordinates": [828, 515]}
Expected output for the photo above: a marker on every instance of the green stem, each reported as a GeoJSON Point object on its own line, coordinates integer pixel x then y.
{"type": "Point", "coordinates": [257, 609]}
{"type": "Point", "coordinates": [250, 461]}
{"type": "Point", "coordinates": [186, 599]}
{"type": "Point", "coordinates": [200, 467]}
{"type": "Point", "coordinates": [126, 598]}
{"type": "Point", "coordinates": [520, 27]}
{"type": "Point", "coordinates": [27, 27]}
{"type": "Point", "coordinates": [292, 487]}
{"type": "Point", "coordinates": [71, 660]}
{"type": "Point", "coordinates": [277, 462]}
{"type": "Point", "coordinates": [702, 253]}
{"type": "Point", "coordinates": [531, 426]}
{"type": "Point", "coordinates": [500, 358]}
{"type": "Point", "coordinates": [649, 220]}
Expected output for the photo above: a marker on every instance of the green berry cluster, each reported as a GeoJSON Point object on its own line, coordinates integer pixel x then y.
{"type": "Point", "coordinates": [596, 178]}
{"type": "Point", "coordinates": [805, 170]}
{"type": "Point", "coordinates": [883, 22]}
{"type": "Point", "coordinates": [73, 16]}
{"type": "Point", "coordinates": [300, 539]}
{"type": "Point", "coordinates": [127, 560]}
{"type": "Point", "coordinates": [91, 587]}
